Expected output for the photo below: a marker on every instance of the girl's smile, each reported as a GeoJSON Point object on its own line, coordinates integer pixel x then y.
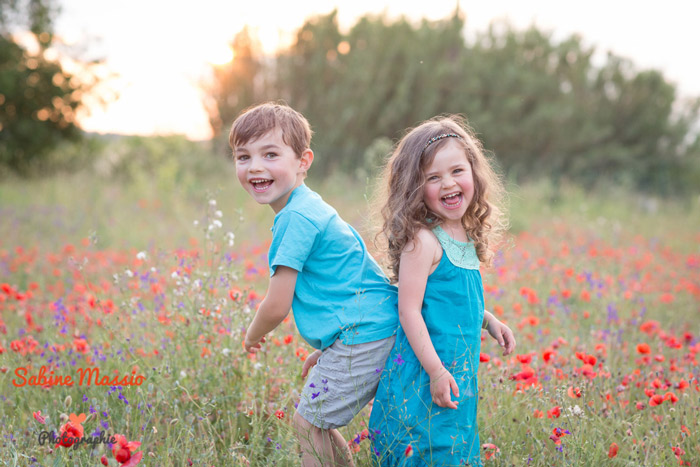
{"type": "Point", "coordinates": [449, 183]}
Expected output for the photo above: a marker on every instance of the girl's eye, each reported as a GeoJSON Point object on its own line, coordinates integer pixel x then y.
{"type": "Point", "coordinates": [432, 178]}
{"type": "Point", "coordinates": [242, 157]}
{"type": "Point", "coordinates": [458, 171]}
{"type": "Point", "coordinates": [270, 155]}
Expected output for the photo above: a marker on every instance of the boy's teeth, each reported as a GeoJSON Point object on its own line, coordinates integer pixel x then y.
{"type": "Point", "coordinates": [261, 185]}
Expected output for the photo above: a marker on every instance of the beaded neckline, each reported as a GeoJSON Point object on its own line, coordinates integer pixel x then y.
{"type": "Point", "coordinates": [461, 254]}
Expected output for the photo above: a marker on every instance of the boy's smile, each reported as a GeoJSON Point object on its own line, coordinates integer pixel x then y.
{"type": "Point", "coordinates": [269, 170]}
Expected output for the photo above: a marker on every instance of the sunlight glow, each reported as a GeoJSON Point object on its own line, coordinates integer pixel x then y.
{"type": "Point", "coordinates": [220, 55]}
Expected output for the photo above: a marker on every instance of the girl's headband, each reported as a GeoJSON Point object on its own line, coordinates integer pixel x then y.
{"type": "Point", "coordinates": [438, 138]}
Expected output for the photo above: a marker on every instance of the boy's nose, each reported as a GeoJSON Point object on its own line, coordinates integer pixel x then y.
{"type": "Point", "coordinates": [255, 165]}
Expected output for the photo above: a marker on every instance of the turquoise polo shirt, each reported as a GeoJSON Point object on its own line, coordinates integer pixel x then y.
{"type": "Point", "coordinates": [341, 292]}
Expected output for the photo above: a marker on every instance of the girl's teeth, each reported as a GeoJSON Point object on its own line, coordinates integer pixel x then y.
{"type": "Point", "coordinates": [452, 200]}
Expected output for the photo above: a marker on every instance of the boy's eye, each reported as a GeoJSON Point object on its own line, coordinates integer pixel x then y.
{"type": "Point", "coordinates": [456, 171]}
{"type": "Point", "coordinates": [432, 178]}
{"type": "Point", "coordinates": [242, 157]}
{"type": "Point", "coordinates": [270, 155]}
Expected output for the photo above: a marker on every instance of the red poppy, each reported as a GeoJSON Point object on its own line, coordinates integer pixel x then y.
{"type": "Point", "coordinates": [484, 357]}
{"type": "Point", "coordinates": [69, 434]}
{"type": "Point", "coordinates": [524, 359]}
{"type": "Point", "coordinates": [678, 452]}
{"type": "Point", "coordinates": [612, 452]}
{"type": "Point", "coordinates": [490, 450]}
{"type": "Point", "coordinates": [408, 452]}
{"type": "Point", "coordinates": [671, 396]}
{"type": "Point", "coordinates": [547, 355]}
{"type": "Point", "coordinates": [643, 348]}
{"type": "Point", "coordinates": [80, 345]}
{"type": "Point", "coordinates": [574, 392]}
{"type": "Point", "coordinates": [123, 451]}
{"type": "Point", "coordinates": [38, 417]}
{"type": "Point", "coordinates": [558, 434]}
{"type": "Point", "coordinates": [554, 412]}
{"type": "Point", "coordinates": [279, 414]}
{"type": "Point", "coordinates": [656, 399]}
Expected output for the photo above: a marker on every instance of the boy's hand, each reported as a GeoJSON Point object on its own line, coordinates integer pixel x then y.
{"type": "Point", "coordinates": [502, 334]}
{"type": "Point", "coordinates": [440, 386]}
{"type": "Point", "coordinates": [253, 347]}
{"type": "Point", "coordinates": [310, 362]}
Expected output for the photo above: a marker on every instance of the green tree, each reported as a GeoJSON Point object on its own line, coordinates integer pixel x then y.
{"type": "Point", "coordinates": [235, 85]}
{"type": "Point", "coordinates": [544, 107]}
{"type": "Point", "coordinates": [38, 99]}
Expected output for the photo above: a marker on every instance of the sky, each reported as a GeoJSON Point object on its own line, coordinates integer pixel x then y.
{"type": "Point", "coordinates": [160, 51]}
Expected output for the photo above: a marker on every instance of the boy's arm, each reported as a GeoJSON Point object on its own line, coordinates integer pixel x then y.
{"type": "Point", "coordinates": [274, 307]}
{"type": "Point", "coordinates": [500, 332]}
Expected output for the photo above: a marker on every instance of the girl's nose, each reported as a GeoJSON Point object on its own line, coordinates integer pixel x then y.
{"type": "Point", "coordinates": [448, 182]}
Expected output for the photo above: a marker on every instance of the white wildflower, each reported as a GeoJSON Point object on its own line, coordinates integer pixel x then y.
{"type": "Point", "coordinates": [141, 255]}
{"type": "Point", "coordinates": [230, 238]}
{"type": "Point", "coordinates": [129, 273]}
{"type": "Point", "coordinates": [212, 202]}
{"type": "Point", "coordinates": [226, 352]}
{"type": "Point", "coordinates": [218, 214]}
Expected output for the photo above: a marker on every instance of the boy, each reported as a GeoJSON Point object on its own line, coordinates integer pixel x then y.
{"type": "Point", "coordinates": [344, 306]}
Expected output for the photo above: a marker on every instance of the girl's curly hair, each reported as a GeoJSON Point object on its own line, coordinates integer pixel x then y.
{"type": "Point", "coordinates": [401, 191]}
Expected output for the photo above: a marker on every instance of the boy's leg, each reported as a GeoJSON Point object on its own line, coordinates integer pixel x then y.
{"type": "Point", "coordinates": [321, 447]}
{"type": "Point", "coordinates": [343, 381]}
{"type": "Point", "coordinates": [343, 456]}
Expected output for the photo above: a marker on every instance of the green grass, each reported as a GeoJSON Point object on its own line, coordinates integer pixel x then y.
{"type": "Point", "coordinates": [170, 318]}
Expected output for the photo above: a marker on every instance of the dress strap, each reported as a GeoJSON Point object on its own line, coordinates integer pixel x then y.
{"type": "Point", "coordinates": [461, 254]}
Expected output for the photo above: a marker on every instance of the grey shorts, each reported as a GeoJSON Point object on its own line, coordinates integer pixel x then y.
{"type": "Point", "coordinates": [343, 381]}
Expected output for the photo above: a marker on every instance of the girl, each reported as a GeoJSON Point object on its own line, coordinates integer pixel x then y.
{"type": "Point", "coordinates": [440, 216]}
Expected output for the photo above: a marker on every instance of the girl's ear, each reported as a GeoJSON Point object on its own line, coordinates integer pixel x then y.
{"type": "Point", "coordinates": [307, 158]}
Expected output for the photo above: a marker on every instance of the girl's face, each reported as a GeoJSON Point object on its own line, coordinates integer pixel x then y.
{"type": "Point", "coordinates": [449, 183]}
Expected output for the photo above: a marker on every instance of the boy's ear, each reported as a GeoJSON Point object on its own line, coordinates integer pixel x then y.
{"type": "Point", "coordinates": [307, 158]}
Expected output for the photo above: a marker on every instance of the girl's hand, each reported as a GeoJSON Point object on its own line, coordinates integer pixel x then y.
{"type": "Point", "coordinates": [502, 334]}
{"type": "Point", "coordinates": [310, 361]}
{"type": "Point", "coordinates": [440, 386]}
{"type": "Point", "coordinates": [253, 347]}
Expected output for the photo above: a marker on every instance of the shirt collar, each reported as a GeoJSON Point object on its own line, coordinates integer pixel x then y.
{"type": "Point", "coordinates": [299, 191]}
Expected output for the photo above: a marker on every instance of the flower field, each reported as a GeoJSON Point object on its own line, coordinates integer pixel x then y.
{"type": "Point", "coordinates": [137, 351]}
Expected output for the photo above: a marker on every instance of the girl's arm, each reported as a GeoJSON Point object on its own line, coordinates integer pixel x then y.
{"type": "Point", "coordinates": [417, 261]}
{"type": "Point", "coordinates": [500, 332]}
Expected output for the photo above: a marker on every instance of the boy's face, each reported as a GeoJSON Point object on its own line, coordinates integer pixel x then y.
{"type": "Point", "coordinates": [269, 169]}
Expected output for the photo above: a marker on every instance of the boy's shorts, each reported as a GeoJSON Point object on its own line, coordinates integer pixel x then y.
{"type": "Point", "coordinates": [343, 381]}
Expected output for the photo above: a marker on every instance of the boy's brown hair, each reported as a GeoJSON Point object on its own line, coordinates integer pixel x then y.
{"type": "Point", "coordinates": [257, 120]}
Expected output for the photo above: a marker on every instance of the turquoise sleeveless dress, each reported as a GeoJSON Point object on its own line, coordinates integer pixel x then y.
{"type": "Point", "coordinates": [403, 413]}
